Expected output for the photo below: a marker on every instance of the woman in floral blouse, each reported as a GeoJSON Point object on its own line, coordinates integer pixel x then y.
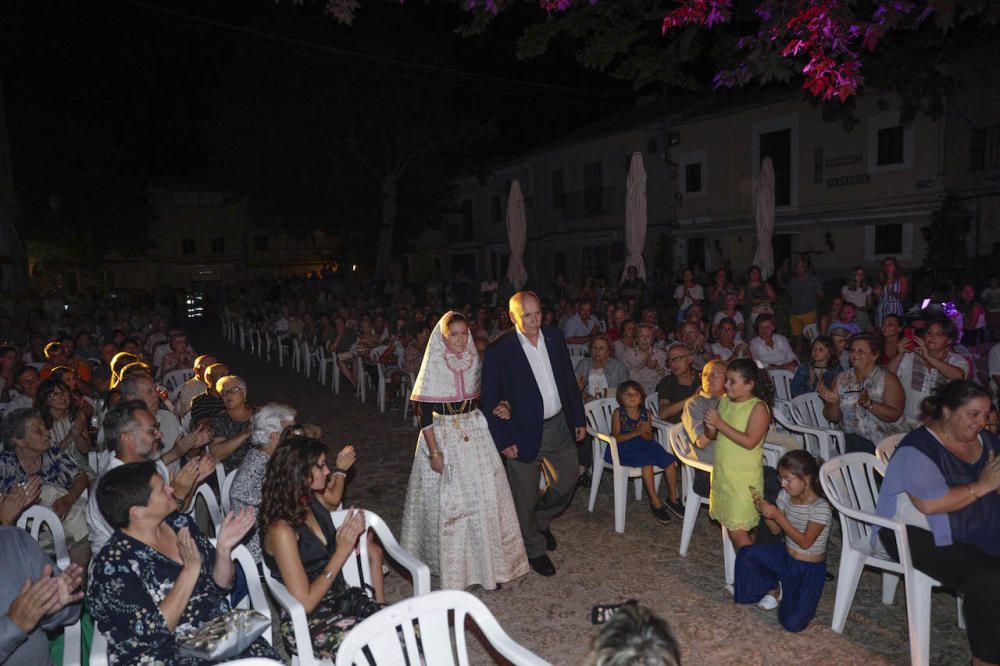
{"type": "Point", "coordinates": [158, 577]}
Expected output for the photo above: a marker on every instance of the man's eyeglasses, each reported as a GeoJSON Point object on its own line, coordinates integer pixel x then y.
{"type": "Point", "coordinates": [232, 389]}
{"type": "Point", "coordinates": [677, 358]}
{"type": "Point", "coordinates": [155, 427]}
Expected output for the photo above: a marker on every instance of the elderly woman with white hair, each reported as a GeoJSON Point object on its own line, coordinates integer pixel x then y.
{"type": "Point", "coordinates": [231, 428]}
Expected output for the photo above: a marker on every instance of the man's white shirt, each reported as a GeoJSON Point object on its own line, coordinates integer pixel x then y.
{"type": "Point", "coordinates": [541, 368]}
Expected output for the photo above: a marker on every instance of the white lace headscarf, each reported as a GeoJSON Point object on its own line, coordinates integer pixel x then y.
{"type": "Point", "coordinates": [444, 375]}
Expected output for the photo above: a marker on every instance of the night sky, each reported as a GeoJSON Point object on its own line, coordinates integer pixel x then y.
{"type": "Point", "coordinates": [103, 98]}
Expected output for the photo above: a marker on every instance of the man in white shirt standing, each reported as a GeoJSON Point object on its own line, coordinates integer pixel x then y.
{"type": "Point", "coordinates": [529, 368]}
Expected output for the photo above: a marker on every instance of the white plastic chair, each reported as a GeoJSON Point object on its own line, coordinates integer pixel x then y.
{"type": "Point", "coordinates": [599, 428]}
{"type": "Point", "coordinates": [653, 404]}
{"type": "Point", "coordinates": [578, 351]}
{"type": "Point", "coordinates": [99, 648]}
{"type": "Point", "coordinates": [39, 516]}
{"type": "Point", "coordinates": [820, 442]}
{"type": "Point", "coordinates": [186, 421]}
{"type": "Point", "coordinates": [849, 484]}
{"type": "Point", "coordinates": [411, 382]}
{"type": "Point", "coordinates": [205, 494]}
{"type": "Point", "coordinates": [322, 362]}
{"type": "Point", "coordinates": [686, 453]}
{"type": "Point", "coordinates": [885, 448]}
{"type": "Point", "coordinates": [256, 598]}
{"type": "Point", "coordinates": [811, 332]}
{"type": "Point", "coordinates": [782, 380]}
{"type": "Point", "coordinates": [356, 570]}
{"type": "Point", "coordinates": [224, 491]}
{"type": "Point", "coordinates": [807, 413]}
{"type": "Point", "coordinates": [390, 636]}
{"type": "Point", "coordinates": [174, 380]}
{"type": "Point", "coordinates": [808, 410]}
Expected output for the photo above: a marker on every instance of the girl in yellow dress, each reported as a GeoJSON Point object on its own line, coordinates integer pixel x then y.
{"type": "Point", "coordinates": [738, 427]}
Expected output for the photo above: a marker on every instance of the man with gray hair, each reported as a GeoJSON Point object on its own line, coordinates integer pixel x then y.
{"type": "Point", "coordinates": [132, 435]}
{"type": "Point", "coordinates": [175, 443]}
{"type": "Point", "coordinates": [194, 386]}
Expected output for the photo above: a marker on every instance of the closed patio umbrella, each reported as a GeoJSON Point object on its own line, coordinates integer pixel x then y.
{"type": "Point", "coordinates": [763, 211]}
{"type": "Point", "coordinates": [517, 224]}
{"type": "Point", "coordinates": [635, 216]}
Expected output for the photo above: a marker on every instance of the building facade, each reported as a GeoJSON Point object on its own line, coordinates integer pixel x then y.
{"type": "Point", "coordinates": [844, 197]}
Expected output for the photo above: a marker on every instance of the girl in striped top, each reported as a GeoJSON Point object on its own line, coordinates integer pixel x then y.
{"type": "Point", "coordinates": [799, 565]}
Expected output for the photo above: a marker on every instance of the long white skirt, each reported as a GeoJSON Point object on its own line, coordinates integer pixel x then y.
{"type": "Point", "coordinates": [462, 522]}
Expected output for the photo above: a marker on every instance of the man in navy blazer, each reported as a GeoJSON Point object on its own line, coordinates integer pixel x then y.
{"type": "Point", "coordinates": [529, 368]}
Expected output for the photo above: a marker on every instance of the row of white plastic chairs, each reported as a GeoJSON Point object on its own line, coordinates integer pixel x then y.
{"type": "Point", "coordinates": [422, 621]}
{"type": "Point", "coordinates": [305, 356]}
{"type": "Point", "coordinates": [848, 480]}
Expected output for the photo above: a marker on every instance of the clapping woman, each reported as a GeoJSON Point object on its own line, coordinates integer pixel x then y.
{"type": "Point", "coordinates": [158, 577]}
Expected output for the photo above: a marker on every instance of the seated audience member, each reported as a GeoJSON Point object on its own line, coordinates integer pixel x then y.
{"type": "Point", "coordinates": [29, 453]}
{"type": "Point", "coordinates": [682, 382]}
{"type": "Point", "coordinates": [600, 372]}
{"type": "Point", "coordinates": [928, 364]}
{"type": "Point", "coordinates": [713, 387]}
{"type": "Point", "coordinates": [726, 346]}
{"type": "Point", "coordinates": [158, 573]}
{"type": "Point", "coordinates": [770, 348]}
{"type": "Point", "coordinates": [120, 361]}
{"type": "Point", "coordinates": [993, 368]}
{"type": "Point", "coordinates": [414, 353]}
{"type": "Point", "coordinates": [626, 340]}
{"type": "Point", "coordinates": [300, 545]}
{"type": "Point", "coordinates": [68, 426]}
{"type": "Point", "coordinates": [841, 341]}
{"type": "Point", "coordinates": [180, 357]}
{"type": "Point", "coordinates": [37, 598]}
{"type": "Point", "coordinates": [866, 399]}
{"type": "Point", "coordinates": [950, 471]}
{"type": "Point", "coordinates": [8, 370]}
{"type": "Point", "coordinates": [341, 347]}
{"type": "Point", "coordinates": [231, 428]}
{"type": "Point", "coordinates": [206, 406]}
{"type": "Point", "coordinates": [892, 336]}
{"type": "Point", "coordinates": [798, 565]}
{"type": "Point", "coordinates": [55, 356]}
{"type": "Point", "coordinates": [582, 326]}
{"type": "Point", "coordinates": [634, 636]}
{"type": "Point", "coordinates": [67, 377]}
{"type": "Point", "coordinates": [731, 312]}
{"type": "Point", "coordinates": [131, 435]}
{"type": "Point", "coordinates": [993, 420]}
{"type": "Point", "coordinates": [821, 368]}
{"type": "Point", "coordinates": [846, 320]}
{"type": "Point", "coordinates": [26, 382]}
{"type": "Point", "coordinates": [831, 315]}
{"type": "Point", "coordinates": [646, 364]}
{"type": "Point", "coordinates": [194, 386]}
{"type": "Point", "coordinates": [694, 338]}
{"type": "Point", "coordinates": [267, 426]}
{"type": "Point", "coordinates": [85, 347]}
{"type": "Point", "coordinates": [175, 443]}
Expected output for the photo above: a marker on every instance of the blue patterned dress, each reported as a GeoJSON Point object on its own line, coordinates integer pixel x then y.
{"type": "Point", "coordinates": [128, 582]}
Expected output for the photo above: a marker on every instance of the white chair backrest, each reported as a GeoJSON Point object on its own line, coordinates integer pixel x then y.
{"type": "Point", "coordinates": [684, 449]}
{"type": "Point", "coordinates": [39, 516]}
{"type": "Point", "coordinates": [578, 351]}
{"type": "Point", "coordinates": [418, 631]}
{"type": "Point", "coordinates": [205, 495]}
{"type": "Point", "coordinates": [225, 502]}
{"type": "Point", "coordinates": [186, 421]}
{"type": "Point", "coordinates": [887, 447]}
{"type": "Point", "coordinates": [849, 484]}
{"type": "Point", "coordinates": [174, 380]}
{"type": "Point", "coordinates": [782, 380]}
{"type": "Point", "coordinates": [599, 414]}
{"type": "Point", "coordinates": [807, 409]}
{"type": "Point", "coordinates": [257, 598]}
{"type": "Point", "coordinates": [653, 404]}
{"type": "Point", "coordinates": [811, 332]}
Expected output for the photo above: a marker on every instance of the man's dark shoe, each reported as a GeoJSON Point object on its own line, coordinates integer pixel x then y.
{"type": "Point", "coordinates": [542, 565]}
{"type": "Point", "coordinates": [550, 539]}
{"type": "Point", "coordinates": [675, 508]}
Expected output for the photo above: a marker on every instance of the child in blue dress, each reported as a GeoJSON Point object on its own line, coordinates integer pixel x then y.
{"type": "Point", "coordinates": [799, 564]}
{"type": "Point", "coordinates": [632, 428]}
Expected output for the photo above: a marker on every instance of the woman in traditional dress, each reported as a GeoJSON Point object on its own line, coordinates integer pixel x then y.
{"type": "Point", "coordinates": [459, 517]}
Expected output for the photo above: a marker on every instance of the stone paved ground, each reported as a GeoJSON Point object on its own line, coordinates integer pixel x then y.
{"type": "Point", "coordinates": [595, 565]}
